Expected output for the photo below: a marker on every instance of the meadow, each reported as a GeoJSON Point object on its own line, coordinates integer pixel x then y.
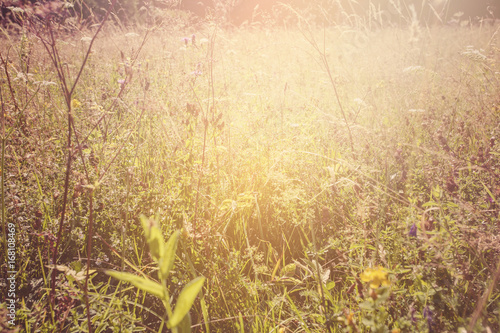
{"type": "Point", "coordinates": [252, 179]}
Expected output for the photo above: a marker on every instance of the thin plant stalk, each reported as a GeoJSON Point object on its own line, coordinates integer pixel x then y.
{"type": "Point", "coordinates": [320, 281]}
{"type": "Point", "coordinates": [52, 50]}
{"type": "Point", "coordinates": [89, 254]}
{"type": "Point", "coordinates": [484, 298]}
{"type": "Point", "coordinates": [326, 65]}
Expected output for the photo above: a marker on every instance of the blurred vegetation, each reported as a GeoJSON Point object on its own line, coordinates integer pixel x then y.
{"type": "Point", "coordinates": [320, 179]}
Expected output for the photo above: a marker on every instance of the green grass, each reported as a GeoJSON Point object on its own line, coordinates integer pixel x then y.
{"type": "Point", "coordinates": [240, 142]}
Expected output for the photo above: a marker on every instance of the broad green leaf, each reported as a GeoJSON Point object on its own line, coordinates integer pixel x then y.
{"type": "Point", "coordinates": [327, 294]}
{"type": "Point", "coordinates": [153, 235]}
{"type": "Point", "coordinates": [81, 275]}
{"type": "Point", "coordinates": [76, 265]}
{"type": "Point", "coordinates": [242, 325]}
{"type": "Point", "coordinates": [147, 224]}
{"type": "Point", "coordinates": [367, 305]}
{"type": "Point", "coordinates": [167, 259]}
{"type": "Point", "coordinates": [156, 243]}
{"type": "Point", "coordinates": [144, 284]}
{"type": "Point", "coordinates": [204, 311]}
{"type": "Point", "coordinates": [383, 293]}
{"type": "Point", "coordinates": [185, 301]}
{"type": "Point", "coordinates": [330, 285]}
{"type": "Point", "coordinates": [185, 324]}
{"type": "Point", "coordinates": [289, 270]}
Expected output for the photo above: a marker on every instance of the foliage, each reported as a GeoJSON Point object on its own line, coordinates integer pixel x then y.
{"type": "Point", "coordinates": [373, 209]}
{"type": "Point", "coordinates": [179, 319]}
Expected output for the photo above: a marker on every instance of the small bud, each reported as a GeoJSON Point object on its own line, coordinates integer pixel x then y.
{"type": "Point", "coordinates": [413, 231]}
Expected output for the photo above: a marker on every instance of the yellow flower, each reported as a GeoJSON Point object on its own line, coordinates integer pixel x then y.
{"type": "Point", "coordinates": [349, 320]}
{"type": "Point", "coordinates": [375, 276]}
{"type": "Point", "coordinates": [75, 103]}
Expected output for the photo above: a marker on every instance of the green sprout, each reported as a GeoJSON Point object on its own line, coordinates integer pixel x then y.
{"type": "Point", "coordinates": [163, 253]}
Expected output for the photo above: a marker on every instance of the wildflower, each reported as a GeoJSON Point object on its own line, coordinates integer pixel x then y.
{"type": "Point", "coordinates": [193, 39]}
{"type": "Point", "coordinates": [413, 231]}
{"type": "Point", "coordinates": [75, 103]}
{"type": "Point", "coordinates": [412, 314]}
{"type": "Point", "coordinates": [375, 276]}
{"type": "Point", "coordinates": [429, 316]}
{"type": "Point", "coordinates": [349, 320]}
{"type": "Point", "coordinates": [197, 71]}
{"type": "Point", "coordinates": [121, 82]}
{"type": "Point", "coordinates": [185, 40]}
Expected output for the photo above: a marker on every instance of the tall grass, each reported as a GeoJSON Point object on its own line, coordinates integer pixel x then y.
{"type": "Point", "coordinates": [370, 207]}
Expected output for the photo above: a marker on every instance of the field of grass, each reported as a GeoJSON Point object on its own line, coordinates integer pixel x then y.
{"type": "Point", "coordinates": [322, 180]}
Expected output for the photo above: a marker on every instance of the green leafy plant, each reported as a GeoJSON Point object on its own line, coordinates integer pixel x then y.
{"type": "Point", "coordinates": [373, 307]}
{"type": "Point", "coordinates": [163, 253]}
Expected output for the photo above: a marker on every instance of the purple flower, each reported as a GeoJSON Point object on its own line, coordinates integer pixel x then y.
{"type": "Point", "coordinates": [185, 40]}
{"type": "Point", "coordinates": [429, 316]}
{"type": "Point", "coordinates": [413, 231]}
{"type": "Point", "coordinates": [121, 82]}
{"type": "Point", "coordinates": [412, 313]}
{"type": "Point", "coordinates": [197, 71]}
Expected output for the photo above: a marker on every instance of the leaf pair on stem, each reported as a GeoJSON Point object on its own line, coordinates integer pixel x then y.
{"type": "Point", "coordinates": [163, 253]}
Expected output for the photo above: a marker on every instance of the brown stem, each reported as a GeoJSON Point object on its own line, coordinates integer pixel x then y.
{"type": "Point", "coordinates": [54, 55]}
{"type": "Point", "coordinates": [89, 253]}
{"type": "Point", "coordinates": [63, 214]}
{"type": "Point", "coordinates": [9, 84]}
